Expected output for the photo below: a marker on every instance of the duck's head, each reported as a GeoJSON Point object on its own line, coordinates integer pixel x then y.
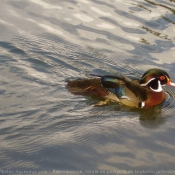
{"type": "Point", "coordinates": [155, 79]}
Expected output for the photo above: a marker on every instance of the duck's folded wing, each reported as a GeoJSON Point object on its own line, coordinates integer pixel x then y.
{"type": "Point", "coordinates": [120, 84]}
{"type": "Point", "coordinates": [112, 81]}
{"type": "Point", "coordinates": [116, 85]}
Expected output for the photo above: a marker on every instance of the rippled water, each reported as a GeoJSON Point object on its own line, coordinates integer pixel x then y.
{"type": "Point", "coordinates": [44, 128]}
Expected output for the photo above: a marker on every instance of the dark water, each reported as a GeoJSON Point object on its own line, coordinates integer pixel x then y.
{"type": "Point", "coordinates": [44, 128]}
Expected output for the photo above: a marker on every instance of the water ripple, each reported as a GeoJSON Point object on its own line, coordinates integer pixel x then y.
{"type": "Point", "coordinates": [169, 104]}
{"type": "Point", "coordinates": [43, 44]}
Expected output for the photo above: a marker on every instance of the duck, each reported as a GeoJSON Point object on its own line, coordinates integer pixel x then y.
{"type": "Point", "coordinates": [138, 93]}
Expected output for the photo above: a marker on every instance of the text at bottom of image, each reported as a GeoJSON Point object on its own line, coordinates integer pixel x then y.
{"type": "Point", "coordinates": [56, 171]}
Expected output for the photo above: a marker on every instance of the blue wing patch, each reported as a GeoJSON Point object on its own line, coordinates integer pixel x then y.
{"type": "Point", "coordinates": [119, 92]}
{"type": "Point", "coordinates": [115, 85]}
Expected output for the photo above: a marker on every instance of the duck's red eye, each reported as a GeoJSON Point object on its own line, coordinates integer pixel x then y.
{"type": "Point", "coordinates": [162, 77]}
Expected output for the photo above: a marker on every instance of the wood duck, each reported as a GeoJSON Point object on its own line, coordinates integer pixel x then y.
{"type": "Point", "coordinates": [142, 93]}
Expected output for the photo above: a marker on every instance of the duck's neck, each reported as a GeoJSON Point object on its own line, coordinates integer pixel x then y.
{"type": "Point", "coordinates": [155, 98]}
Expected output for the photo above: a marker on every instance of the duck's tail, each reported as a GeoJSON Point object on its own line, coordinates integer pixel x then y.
{"type": "Point", "coordinates": [86, 87]}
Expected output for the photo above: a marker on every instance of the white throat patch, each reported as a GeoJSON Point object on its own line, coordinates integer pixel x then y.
{"type": "Point", "coordinates": [155, 90]}
{"type": "Point", "coordinates": [159, 88]}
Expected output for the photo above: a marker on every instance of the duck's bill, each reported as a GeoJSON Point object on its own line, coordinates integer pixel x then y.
{"type": "Point", "coordinates": [170, 83]}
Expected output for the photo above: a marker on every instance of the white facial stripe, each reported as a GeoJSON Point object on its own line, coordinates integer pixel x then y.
{"type": "Point", "coordinates": [159, 88]}
{"type": "Point", "coordinates": [147, 82]}
{"type": "Point", "coordinates": [166, 77]}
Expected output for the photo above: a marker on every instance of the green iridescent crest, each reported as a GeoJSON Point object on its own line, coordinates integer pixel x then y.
{"type": "Point", "coordinates": [153, 74]}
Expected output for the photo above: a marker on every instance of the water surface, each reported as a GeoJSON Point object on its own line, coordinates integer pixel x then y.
{"type": "Point", "coordinates": [44, 128]}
